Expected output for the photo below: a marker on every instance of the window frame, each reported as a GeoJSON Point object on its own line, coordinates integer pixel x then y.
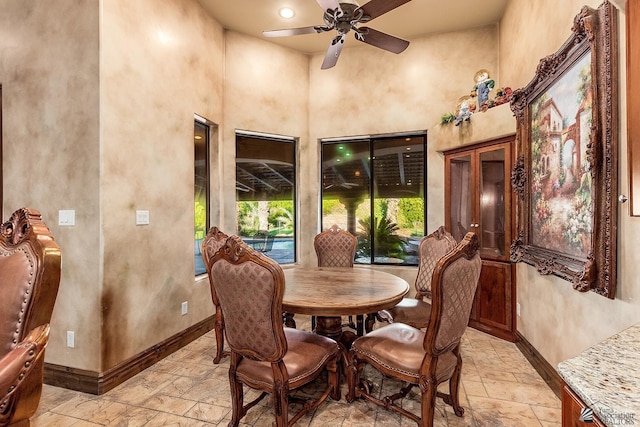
{"type": "Point", "coordinates": [294, 191]}
{"type": "Point", "coordinates": [371, 139]}
{"type": "Point", "coordinates": [207, 127]}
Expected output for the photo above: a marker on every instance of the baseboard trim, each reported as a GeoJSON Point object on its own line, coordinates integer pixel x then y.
{"type": "Point", "coordinates": [540, 364]}
{"type": "Point", "coordinates": [98, 383]}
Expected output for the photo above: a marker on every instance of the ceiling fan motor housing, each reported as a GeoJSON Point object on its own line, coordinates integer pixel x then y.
{"type": "Point", "coordinates": [346, 18]}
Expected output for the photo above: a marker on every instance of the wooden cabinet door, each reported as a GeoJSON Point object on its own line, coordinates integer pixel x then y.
{"type": "Point", "coordinates": [493, 310]}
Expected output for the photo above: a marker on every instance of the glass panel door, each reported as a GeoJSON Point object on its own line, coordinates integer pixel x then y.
{"type": "Point", "coordinates": [461, 218]}
{"type": "Point", "coordinates": [491, 230]}
{"type": "Point", "coordinates": [398, 208]}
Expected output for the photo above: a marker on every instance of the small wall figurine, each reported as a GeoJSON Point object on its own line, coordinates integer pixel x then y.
{"type": "Point", "coordinates": [484, 85]}
{"type": "Point", "coordinates": [464, 110]}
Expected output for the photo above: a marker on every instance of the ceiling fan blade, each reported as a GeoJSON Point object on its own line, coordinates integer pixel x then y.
{"type": "Point", "coordinates": [375, 8]}
{"type": "Point", "coordinates": [382, 40]}
{"type": "Point", "coordinates": [329, 5]}
{"type": "Point", "coordinates": [293, 31]}
{"type": "Point", "coordinates": [331, 58]}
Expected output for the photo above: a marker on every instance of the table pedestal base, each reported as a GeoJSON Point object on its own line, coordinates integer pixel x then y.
{"type": "Point", "coordinates": [331, 326]}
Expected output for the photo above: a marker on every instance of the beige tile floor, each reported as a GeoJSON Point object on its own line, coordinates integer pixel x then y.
{"type": "Point", "coordinates": [499, 388]}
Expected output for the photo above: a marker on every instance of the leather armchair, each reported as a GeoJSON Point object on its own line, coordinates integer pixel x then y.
{"type": "Point", "coordinates": [29, 281]}
{"type": "Point", "coordinates": [265, 355]}
{"type": "Point", "coordinates": [16, 365]}
{"type": "Point", "coordinates": [212, 242]}
{"type": "Point", "coordinates": [423, 358]}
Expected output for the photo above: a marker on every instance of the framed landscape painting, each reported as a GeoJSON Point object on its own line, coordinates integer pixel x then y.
{"type": "Point", "coordinates": [566, 169]}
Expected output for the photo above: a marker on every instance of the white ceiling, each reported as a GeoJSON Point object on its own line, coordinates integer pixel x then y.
{"type": "Point", "coordinates": [413, 19]}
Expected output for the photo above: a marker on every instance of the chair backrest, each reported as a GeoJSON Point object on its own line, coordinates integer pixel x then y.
{"type": "Point", "coordinates": [29, 281]}
{"type": "Point", "coordinates": [213, 241]}
{"type": "Point", "coordinates": [250, 288]}
{"type": "Point", "coordinates": [431, 249]}
{"type": "Point", "coordinates": [455, 279]}
{"type": "Point", "coordinates": [335, 247]}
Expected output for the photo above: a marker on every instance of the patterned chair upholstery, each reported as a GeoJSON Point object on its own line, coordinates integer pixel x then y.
{"type": "Point", "coordinates": [336, 247]}
{"type": "Point", "coordinates": [416, 311]}
{"type": "Point", "coordinates": [265, 355]}
{"type": "Point", "coordinates": [29, 281]}
{"type": "Point", "coordinates": [418, 357]}
{"type": "Point", "coordinates": [213, 241]}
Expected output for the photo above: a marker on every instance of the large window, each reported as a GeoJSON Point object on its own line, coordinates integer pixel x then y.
{"type": "Point", "coordinates": [265, 194]}
{"type": "Point", "coordinates": [201, 194]}
{"type": "Point", "coordinates": [375, 188]}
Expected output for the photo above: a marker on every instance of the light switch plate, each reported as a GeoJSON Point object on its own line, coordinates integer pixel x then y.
{"type": "Point", "coordinates": [67, 218]}
{"type": "Point", "coordinates": [142, 217]}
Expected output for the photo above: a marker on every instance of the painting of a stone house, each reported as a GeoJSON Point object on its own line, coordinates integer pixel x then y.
{"type": "Point", "coordinates": [561, 185]}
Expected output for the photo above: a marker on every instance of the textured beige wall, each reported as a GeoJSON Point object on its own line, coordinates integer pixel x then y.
{"type": "Point", "coordinates": [557, 320]}
{"type": "Point", "coordinates": [161, 63]}
{"type": "Point", "coordinates": [49, 77]}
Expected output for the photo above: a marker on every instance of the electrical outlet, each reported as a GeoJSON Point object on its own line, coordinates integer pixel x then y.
{"type": "Point", "coordinates": [71, 339]}
{"type": "Point", "coordinates": [184, 308]}
{"type": "Point", "coordinates": [518, 309]}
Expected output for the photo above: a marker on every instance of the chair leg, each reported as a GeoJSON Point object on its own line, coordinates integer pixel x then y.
{"type": "Point", "coordinates": [219, 329]}
{"type": "Point", "coordinates": [354, 369]}
{"type": "Point", "coordinates": [288, 320]}
{"type": "Point", "coordinates": [281, 405]}
{"type": "Point", "coordinates": [360, 325]}
{"type": "Point", "coordinates": [370, 322]}
{"type": "Point", "coordinates": [237, 411]}
{"type": "Point", "coordinates": [454, 387]}
{"type": "Point", "coordinates": [428, 403]}
{"type": "Point", "coordinates": [334, 378]}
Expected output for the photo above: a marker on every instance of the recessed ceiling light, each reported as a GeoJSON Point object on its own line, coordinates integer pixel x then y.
{"type": "Point", "coordinates": [286, 13]}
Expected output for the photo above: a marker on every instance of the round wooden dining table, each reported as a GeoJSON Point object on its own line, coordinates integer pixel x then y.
{"type": "Point", "coordinates": [330, 293]}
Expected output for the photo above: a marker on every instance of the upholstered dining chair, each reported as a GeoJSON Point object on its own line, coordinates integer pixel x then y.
{"type": "Point", "coordinates": [424, 358]}
{"type": "Point", "coordinates": [29, 281]}
{"type": "Point", "coordinates": [415, 311]}
{"type": "Point", "coordinates": [213, 241]}
{"type": "Point", "coordinates": [336, 247]}
{"type": "Point", "coordinates": [265, 355]}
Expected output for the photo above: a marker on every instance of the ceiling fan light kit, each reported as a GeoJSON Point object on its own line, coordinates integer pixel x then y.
{"type": "Point", "coordinates": [344, 17]}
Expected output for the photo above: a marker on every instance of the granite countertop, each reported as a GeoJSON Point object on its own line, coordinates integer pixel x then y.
{"type": "Point", "coordinates": [607, 377]}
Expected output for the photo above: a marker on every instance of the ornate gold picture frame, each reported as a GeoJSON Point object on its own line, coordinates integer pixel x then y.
{"type": "Point", "coordinates": [567, 153]}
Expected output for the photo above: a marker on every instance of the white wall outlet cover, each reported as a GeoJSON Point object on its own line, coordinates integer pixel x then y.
{"type": "Point", "coordinates": [142, 217]}
{"type": "Point", "coordinates": [67, 217]}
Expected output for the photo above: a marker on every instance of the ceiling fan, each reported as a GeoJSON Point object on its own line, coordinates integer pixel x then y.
{"type": "Point", "coordinates": [345, 16]}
